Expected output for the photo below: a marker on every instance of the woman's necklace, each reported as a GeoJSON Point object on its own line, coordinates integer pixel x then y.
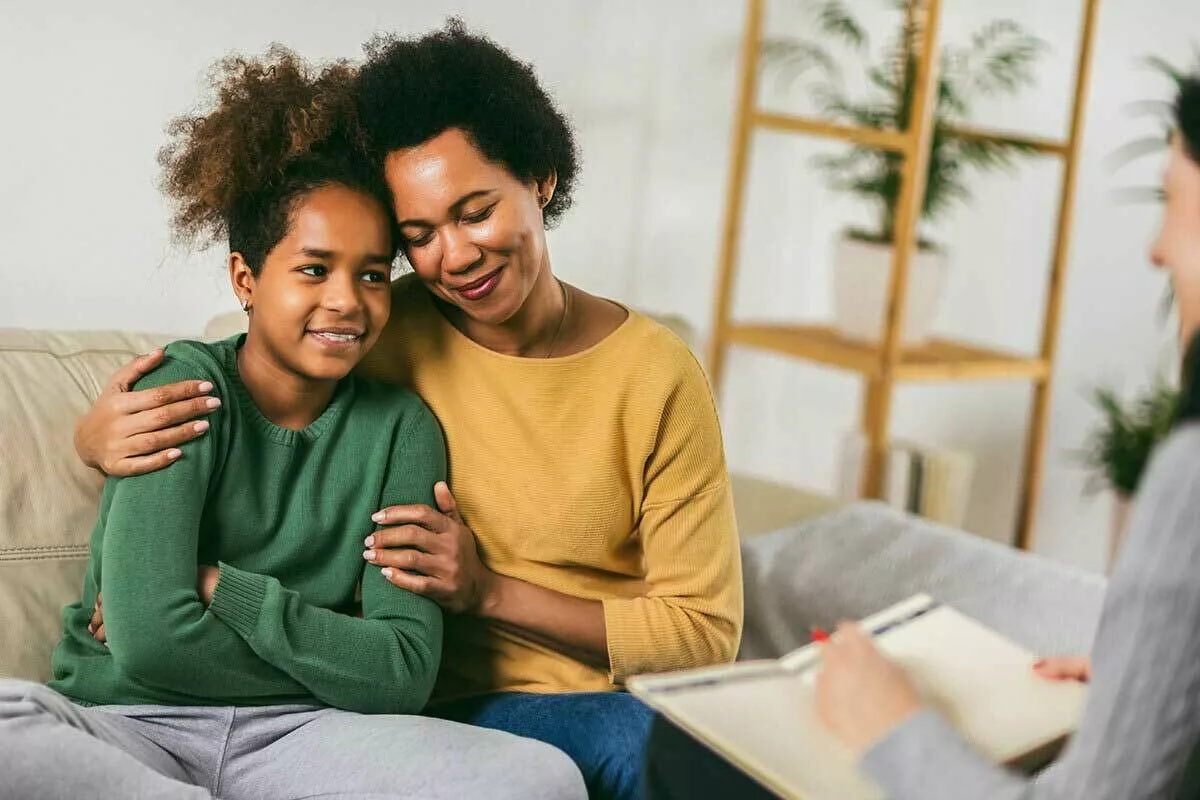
{"type": "Point", "coordinates": [566, 298]}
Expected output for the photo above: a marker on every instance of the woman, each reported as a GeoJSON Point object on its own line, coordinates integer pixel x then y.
{"type": "Point", "coordinates": [591, 533]}
{"type": "Point", "coordinates": [235, 665]}
{"type": "Point", "coordinates": [1140, 734]}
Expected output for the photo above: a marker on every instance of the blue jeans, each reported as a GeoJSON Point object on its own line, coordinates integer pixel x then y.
{"type": "Point", "coordinates": [604, 733]}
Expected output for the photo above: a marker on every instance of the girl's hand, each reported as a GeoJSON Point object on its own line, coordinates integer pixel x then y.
{"type": "Point", "coordinates": [431, 552]}
{"type": "Point", "coordinates": [861, 695]}
{"type": "Point", "coordinates": [96, 626]}
{"type": "Point", "coordinates": [1065, 668]}
{"type": "Point", "coordinates": [206, 583]}
{"type": "Point", "coordinates": [132, 433]}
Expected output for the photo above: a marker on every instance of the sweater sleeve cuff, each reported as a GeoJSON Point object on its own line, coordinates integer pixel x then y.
{"type": "Point", "coordinates": [625, 639]}
{"type": "Point", "coordinates": [238, 599]}
{"type": "Point", "coordinates": [925, 758]}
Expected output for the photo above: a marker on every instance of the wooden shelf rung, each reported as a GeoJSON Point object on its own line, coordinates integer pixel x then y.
{"type": "Point", "coordinates": [979, 367]}
{"type": "Point", "coordinates": [898, 141]}
{"type": "Point", "coordinates": [811, 343]}
{"type": "Point", "coordinates": [1050, 147]}
{"type": "Point", "coordinates": [877, 138]}
{"type": "Point", "coordinates": [937, 360]}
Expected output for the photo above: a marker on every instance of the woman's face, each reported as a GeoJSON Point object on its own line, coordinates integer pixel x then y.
{"type": "Point", "coordinates": [323, 294]}
{"type": "Point", "coordinates": [473, 232]}
{"type": "Point", "coordinates": [1177, 248]}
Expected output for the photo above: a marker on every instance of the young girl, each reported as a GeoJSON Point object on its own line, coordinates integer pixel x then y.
{"type": "Point", "coordinates": [234, 665]}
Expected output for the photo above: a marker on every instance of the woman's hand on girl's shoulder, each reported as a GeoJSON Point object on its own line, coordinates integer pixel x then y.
{"type": "Point", "coordinates": [432, 552]}
{"type": "Point", "coordinates": [131, 433]}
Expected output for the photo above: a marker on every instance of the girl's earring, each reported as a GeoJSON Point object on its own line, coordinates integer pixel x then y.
{"type": "Point", "coordinates": [246, 305]}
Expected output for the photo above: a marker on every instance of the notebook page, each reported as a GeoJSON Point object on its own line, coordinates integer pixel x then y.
{"type": "Point", "coordinates": [984, 684]}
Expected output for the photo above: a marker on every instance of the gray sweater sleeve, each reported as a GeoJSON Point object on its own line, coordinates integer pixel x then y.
{"type": "Point", "coordinates": [1142, 721]}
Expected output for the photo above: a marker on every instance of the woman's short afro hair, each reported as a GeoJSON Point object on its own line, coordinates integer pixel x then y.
{"type": "Point", "coordinates": [413, 89]}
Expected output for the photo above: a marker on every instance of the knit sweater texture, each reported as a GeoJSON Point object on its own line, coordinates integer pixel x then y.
{"type": "Point", "coordinates": [600, 475]}
{"type": "Point", "coordinates": [283, 513]}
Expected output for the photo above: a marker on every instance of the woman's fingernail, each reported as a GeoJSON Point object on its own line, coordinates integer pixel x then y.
{"type": "Point", "coordinates": [213, 402]}
{"type": "Point", "coordinates": [91, 628]}
{"type": "Point", "coordinates": [387, 572]}
{"type": "Point", "coordinates": [201, 426]}
{"type": "Point", "coordinates": [1041, 662]}
{"type": "Point", "coordinates": [173, 454]}
{"type": "Point", "coordinates": [369, 555]}
{"type": "Point", "coordinates": [377, 516]}
{"type": "Point", "coordinates": [205, 387]}
{"type": "Point", "coordinates": [370, 542]}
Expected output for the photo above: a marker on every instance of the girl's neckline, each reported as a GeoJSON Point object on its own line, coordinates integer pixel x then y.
{"type": "Point", "coordinates": [277, 433]}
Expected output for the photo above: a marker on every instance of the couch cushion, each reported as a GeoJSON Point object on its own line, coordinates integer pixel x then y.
{"type": "Point", "coordinates": [48, 499]}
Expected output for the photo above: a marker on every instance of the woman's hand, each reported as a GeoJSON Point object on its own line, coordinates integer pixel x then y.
{"type": "Point", "coordinates": [1065, 668]}
{"type": "Point", "coordinates": [861, 695]}
{"type": "Point", "coordinates": [431, 552]}
{"type": "Point", "coordinates": [206, 584]}
{"type": "Point", "coordinates": [132, 433]}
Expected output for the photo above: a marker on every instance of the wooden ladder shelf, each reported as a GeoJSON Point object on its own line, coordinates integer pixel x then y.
{"type": "Point", "coordinates": [887, 363]}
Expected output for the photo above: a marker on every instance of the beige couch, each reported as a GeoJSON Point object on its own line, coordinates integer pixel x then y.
{"type": "Point", "coordinates": [48, 499]}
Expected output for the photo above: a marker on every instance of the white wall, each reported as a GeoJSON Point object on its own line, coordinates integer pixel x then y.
{"type": "Point", "coordinates": [83, 244]}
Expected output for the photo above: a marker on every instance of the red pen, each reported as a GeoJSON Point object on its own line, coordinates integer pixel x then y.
{"type": "Point", "coordinates": [819, 635]}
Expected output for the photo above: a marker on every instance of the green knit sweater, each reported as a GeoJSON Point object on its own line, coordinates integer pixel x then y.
{"type": "Point", "coordinates": [284, 514]}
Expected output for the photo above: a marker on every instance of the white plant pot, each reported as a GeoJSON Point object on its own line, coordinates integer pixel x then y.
{"type": "Point", "coordinates": [861, 272]}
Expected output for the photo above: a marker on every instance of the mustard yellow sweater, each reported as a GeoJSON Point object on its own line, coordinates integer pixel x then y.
{"type": "Point", "coordinates": [600, 475]}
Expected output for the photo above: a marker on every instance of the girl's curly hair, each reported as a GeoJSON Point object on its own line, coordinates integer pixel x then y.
{"type": "Point", "coordinates": [279, 130]}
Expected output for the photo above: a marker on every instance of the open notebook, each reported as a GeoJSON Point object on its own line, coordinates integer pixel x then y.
{"type": "Point", "coordinates": [760, 714]}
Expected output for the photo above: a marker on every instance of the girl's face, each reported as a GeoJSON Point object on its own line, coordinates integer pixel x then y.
{"type": "Point", "coordinates": [1177, 248]}
{"type": "Point", "coordinates": [322, 295]}
{"type": "Point", "coordinates": [473, 232]}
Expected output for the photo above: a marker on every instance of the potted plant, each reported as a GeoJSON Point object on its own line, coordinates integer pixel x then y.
{"type": "Point", "coordinates": [1119, 448]}
{"type": "Point", "coordinates": [998, 61]}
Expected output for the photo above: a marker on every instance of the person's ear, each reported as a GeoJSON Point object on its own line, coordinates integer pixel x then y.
{"type": "Point", "coordinates": [545, 189]}
{"type": "Point", "coordinates": [241, 277]}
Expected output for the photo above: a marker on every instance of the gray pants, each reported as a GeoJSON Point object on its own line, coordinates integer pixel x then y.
{"type": "Point", "coordinates": [52, 749]}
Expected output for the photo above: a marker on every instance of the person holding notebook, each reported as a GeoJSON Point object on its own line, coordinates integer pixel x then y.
{"type": "Point", "coordinates": [1139, 738]}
